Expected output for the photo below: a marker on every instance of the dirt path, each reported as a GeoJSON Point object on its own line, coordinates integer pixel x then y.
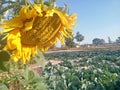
{"type": "Point", "coordinates": [63, 51]}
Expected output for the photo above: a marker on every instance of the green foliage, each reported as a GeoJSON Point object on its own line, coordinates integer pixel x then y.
{"type": "Point", "coordinates": [79, 37]}
{"type": "Point", "coordinates": [22, 79]}
{"type": "Point", "coordinates": [40, 59]}
{"type": "Point", "coordinates": [69, 43]}
{"type": "Point", "coordinates": [3, 87]}
{"type": "Point", "coordinates": [38, 62]}
{"type": "Point", "coordinates": [17, 76]}
{"type": "Point", "coordinates": [4, 56]}
{"type": "Point", "coordinates": [33, 81]}
{"type": "Point", "coordinates": [4, 61]}
{"type": "Point", "coordinates": [91, 70]}
{"type": "Point", "coordinates": [98, 41]}
{"type": "Point", "coordinates": [118, 40]}
{"type": "Point", "coordinates": [2, 41]}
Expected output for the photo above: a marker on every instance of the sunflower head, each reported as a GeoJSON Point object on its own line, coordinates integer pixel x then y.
{"type": "Point", "coordinates": [37, 27]}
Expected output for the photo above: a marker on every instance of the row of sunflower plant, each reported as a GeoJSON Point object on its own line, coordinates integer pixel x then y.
{"type": "Point", "coordinates": [91, 70]}
{"type": "Point", "coordinates": [29, 28]}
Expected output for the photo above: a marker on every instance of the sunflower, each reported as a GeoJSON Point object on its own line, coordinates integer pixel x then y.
{"type": "Point", "coordinates": [36, 28]}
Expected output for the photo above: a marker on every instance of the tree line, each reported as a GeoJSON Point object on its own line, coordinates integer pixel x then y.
{"type": "Point", "coordinates": [96, 41]}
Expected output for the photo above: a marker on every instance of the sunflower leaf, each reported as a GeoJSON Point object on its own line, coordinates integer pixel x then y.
{"type": "Point", "coordinates": [4, 61]}
{"type": "Point", "coordinates": [38, 1]}
{"type": "Point", "coordinates": [3, 86]}
{"type": "Point", "coordinates": [4, 66]}
{"type": "Point", "coordinates": [40, 59]}
{"type": "Point", "coordinates": [2, 41]}
{"type": "Point", "coordinates": [4, 56]}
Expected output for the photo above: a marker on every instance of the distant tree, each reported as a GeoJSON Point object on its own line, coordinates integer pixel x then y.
{"type": "Point", "coordinates": [118, 40]}
{"type": "Point", "coordinates": [52, 47]}
{"type": "Point", "coordinates": [98, 41]}
{"type": "Point", "coordinates": [70, 43]}
{"type": "Point", "coordinates": [79, 37]}
{"type": "Point", "coordinates": [109, 40]}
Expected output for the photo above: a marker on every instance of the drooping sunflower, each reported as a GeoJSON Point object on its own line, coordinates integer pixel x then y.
{"type": "Point", "coordinates": [36, 27]}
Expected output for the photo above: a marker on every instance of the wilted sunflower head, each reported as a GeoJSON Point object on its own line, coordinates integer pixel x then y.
{"type": "Point", "coordinates": [36, 27]}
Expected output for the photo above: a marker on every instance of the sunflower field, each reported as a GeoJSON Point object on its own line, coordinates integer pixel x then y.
{"type": "Point", "coordinates": [28, 28]}
{"type": "Point", "coordinates": [88, 70]}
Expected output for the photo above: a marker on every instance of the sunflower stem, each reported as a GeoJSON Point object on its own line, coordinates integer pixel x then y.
{"type": "Point", "coordinates": [38, 1]}
{"type": "Point", "coordinates": [54, 3]}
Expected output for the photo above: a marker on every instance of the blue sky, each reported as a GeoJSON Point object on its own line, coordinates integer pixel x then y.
{"type": "Point", "coordinates": [95, 18]}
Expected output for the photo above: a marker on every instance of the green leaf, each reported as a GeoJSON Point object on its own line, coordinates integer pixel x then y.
{"type": "Point", "coordinates": [38, 1]}
{"type": "Point", "coordinates": [33, 80]}
{"type": "Point", "coordinates": [4, 61]}
{"type": "Point", "coordinates": [41, 86]}
{"type": "Point", "coordinates": [2, 41]}
{"type": "Point", "coordinates": [4, 56]}
{"type": "Point", "coordinates": [4, 66]}
{"type": "Point", "coordinates": [40, 59]}
{"type": "Point", "coordinates": [28, 74]}
{"type": "Point", "coordinates": [3, 86]}
{"type": "Point", "coordinates": [23, 2]}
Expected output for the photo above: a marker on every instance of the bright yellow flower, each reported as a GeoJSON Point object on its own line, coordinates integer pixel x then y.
{"type": "Point", "coordinates": [36, 28]}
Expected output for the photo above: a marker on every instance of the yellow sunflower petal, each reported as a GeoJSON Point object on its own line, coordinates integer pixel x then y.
{"type": "Point", "coordinates": [7, 30]}
{"type": "Point", "coordinates": [11, 44]}
{"type": "Point", "coordinates": [15, 58]}
{"type": "Point", "coordinates": [62, 18]}
{"type": "Point", "coordinates": [13, 23]}
{"type": "Point", "coordinates": [38, 8]}
{"type": "Point", "coordinates": [24, 13]}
